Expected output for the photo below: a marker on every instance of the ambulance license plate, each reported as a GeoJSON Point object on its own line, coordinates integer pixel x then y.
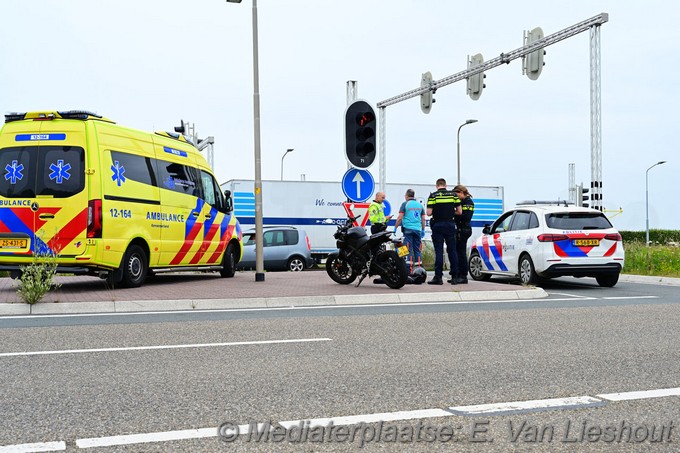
{"type": "Point", "coordinates": [402, 251]}
{"type": "Point", "coordinates": [586, 242]}
{"type": "Point", "coordinates": [13, 243]}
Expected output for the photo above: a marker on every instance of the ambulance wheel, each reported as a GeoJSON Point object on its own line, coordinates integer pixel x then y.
{"type": "Point", "coordinates": [229, 262]}
{"type": "Point", "coordinates": [135, 266]}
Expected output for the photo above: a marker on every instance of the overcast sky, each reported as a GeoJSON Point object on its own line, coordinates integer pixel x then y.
{"type": "Point", "coordinates": [147, 64]}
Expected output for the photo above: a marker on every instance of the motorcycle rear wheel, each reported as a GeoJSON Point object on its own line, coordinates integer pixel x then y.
{"type": "Point", "coordinates": [339, 270]}
{"type": "Point", "coordinates": [392, 269]}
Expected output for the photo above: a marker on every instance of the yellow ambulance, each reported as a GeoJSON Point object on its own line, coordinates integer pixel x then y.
{"type": "Point", "coordinates": [110, 201]}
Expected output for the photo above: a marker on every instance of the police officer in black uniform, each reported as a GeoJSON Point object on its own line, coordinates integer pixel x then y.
{"type": "Point", "coordinates": [463, 230]}
{"type": "Point", "coordinates": [442, 206]}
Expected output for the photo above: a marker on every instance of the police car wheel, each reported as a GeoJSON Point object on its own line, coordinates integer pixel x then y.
{"type": "Point", "coordinates": [607, 280]}
{"type": "Point", "coordinates": [527, 273]}
{"type": "Point", "coordinates": [476, 266]}
{"type": "Point", "coordinates": [229, 262]}
{"type": "Point", "coordinates": [135, 266]}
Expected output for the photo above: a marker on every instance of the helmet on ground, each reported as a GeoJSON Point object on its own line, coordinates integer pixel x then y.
{"type": "Point", "coordinates": [419, 275]}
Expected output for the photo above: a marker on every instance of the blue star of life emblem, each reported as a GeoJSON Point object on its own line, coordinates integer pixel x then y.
{"type": "Point", "coordinates": [118, 171]}
{"type": "Point", "coordinates": [14, 172]}
{"type": "Point", "coordinates": [60, 171]}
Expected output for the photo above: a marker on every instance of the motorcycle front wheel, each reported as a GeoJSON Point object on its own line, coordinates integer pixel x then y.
{"type": "Point", "coordinates": [339, 270]}
{"type": "Point", "coordinates": [392, 269]}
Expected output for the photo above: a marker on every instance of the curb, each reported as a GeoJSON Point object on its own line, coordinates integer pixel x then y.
{"type": "Point", "coordinates": [67, 308]}
{"type": "Point", "coordinates": [649, 280]}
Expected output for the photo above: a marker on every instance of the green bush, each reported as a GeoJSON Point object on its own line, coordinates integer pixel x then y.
{"type": "Point", "coordinates": [655, 236]}
{"type": "Point", "coordinates": [37, 278]}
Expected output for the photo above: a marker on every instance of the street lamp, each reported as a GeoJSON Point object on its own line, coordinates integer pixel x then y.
{"type": "Point", "coordinates": [647, 198]}
{"type": "Point", "coordinates": [289, 150]}
{"type": "Point", "coordinates": [259, 258]}
{"type": "Point", "coordinates": [458, 142]}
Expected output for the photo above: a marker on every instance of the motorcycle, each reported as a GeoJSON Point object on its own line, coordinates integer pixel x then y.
{"type": "Point", "coordinates": [361, 255]}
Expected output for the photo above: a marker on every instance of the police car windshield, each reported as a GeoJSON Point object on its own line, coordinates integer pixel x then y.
{"type": "Point", "coordinates": [578, 221]}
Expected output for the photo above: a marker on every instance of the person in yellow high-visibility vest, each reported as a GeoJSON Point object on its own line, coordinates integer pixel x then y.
{"type": "Point", "coordinates": [376, 214]}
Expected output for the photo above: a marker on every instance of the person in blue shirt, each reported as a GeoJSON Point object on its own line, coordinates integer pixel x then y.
{"type": "Point", "coordinates": [412, 220]}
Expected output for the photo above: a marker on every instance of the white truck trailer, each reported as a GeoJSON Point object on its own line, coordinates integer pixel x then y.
{"type": "Point", "coordinates": [317, 207]}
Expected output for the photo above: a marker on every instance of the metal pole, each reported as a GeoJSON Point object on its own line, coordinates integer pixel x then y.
{"type": "Point", "coordinates": [284, 155]}
{"type": "Point", "coordinates": [259, 255]}
{"type": "Point", "coordinates": [647, 200]}
{"type": "Point", "coordinates": [458, 144]}
{"type": "Point", "coordinates": [647, 206]}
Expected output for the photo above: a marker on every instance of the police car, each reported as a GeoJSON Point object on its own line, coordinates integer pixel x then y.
{"type": "Point", "coordinates": [539, 240]}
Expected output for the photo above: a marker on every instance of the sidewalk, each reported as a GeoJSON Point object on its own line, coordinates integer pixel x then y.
{"type": "Point", "coordinates": [198, 291]}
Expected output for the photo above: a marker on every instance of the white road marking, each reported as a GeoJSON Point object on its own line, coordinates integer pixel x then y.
{"type": "Point", "coordinates": [576, 296]}
{"type": "Point", "coordinates": [166, 436]}
{"type": "Point", "coordinates": [630, 297]}
{"type": "Point", "coordinates": [371, 418]}
{"type": "Point", "coordinates": [625, 396]}
{"type": "Point", "coordinates": [576, 402]}
{"type": "Point", "coordinates": [522, 406]}
{"type": "Point", "coordinates": [34, 447]}
{"type": "Point", "coordinates": [130, 439]}
{"type": "Point", "coordinates": [174, 346]}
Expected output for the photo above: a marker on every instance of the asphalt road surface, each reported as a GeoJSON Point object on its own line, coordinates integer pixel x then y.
{"type": "Point", "coordinates": [586, 369]}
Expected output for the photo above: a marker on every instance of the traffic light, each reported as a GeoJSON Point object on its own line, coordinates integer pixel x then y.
{"type": "Point", "coordinates": [533, 62]}
{"type": "Point", "coordinates": [360, 134]}
{"type": "Point", "coordinates": [581, 197]}
{"type": "Point", "coordinates": [475, 83]}
{"type": "Point", "coordinates": [426, 100]}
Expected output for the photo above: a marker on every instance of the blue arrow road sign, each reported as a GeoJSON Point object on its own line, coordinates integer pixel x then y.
{"type": "Point", "coordinates": [358, 185]}
{"type": "Point", "coordinates": [387, 208]}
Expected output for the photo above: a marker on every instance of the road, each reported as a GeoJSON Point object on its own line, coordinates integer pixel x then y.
{"type": "Point", "coordinates": [166, 381]}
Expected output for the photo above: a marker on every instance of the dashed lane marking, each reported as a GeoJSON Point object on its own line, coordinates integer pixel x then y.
{"type": "Point", "coordinates": [626, 396]}
{"type": "Point", "coordinates": [493, 409]}
{"type": "Point", "coordinates": [34, 447]}
{"type": "Point", "coordinates": [517, 407]}
{"type": "Point", "coordinates": [174, 346]}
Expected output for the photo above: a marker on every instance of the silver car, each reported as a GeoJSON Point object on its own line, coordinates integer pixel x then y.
{"type": "Point", "coordinates": [284, 247]}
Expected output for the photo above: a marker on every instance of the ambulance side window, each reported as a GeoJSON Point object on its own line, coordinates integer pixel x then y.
{"type": "Point", "coordinates": [211, 192]}
{"type": "Point", "coordinates": [179, 178]}
{"type": "Point", "coordinates": [136, 168]}
{"type": "Point", "coordinates": [17, 171]}
{"type": "Point", "coordinates": [61, 171]}
{"type": "Point", "coordinates": [208, 190]}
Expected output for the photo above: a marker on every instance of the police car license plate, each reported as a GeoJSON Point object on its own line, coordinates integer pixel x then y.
{"type": "Point", "coordinates": [13, 243]}
{"type": "Point", "coordinates": [402, 251]}
{"type": "Point", "coordinates": [586, 242]}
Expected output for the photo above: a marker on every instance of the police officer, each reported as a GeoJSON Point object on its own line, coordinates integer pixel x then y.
{"type": "Point", "coordinates": [463, 229]}
{"type": "Point", "coordinates": [376, 214]}
{"type": "Point", "coordinates": [442, 206]}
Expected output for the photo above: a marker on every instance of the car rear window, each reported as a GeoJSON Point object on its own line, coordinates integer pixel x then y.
{"type": "Point", "coordinates": [578, 221]}
{"type": "Point", "coordinates": [291, 237]}
{"type": "Point", "coordinates": [28, 171]}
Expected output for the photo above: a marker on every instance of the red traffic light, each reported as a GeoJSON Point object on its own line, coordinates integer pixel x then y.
{"type": "Point", "coordinates": [365, 118]}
